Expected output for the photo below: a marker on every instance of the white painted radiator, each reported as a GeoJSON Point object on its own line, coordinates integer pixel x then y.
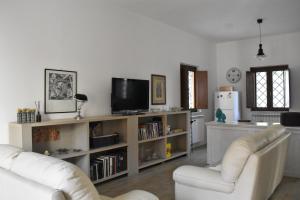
{"type": "Point", "coordinates": [265, 116]}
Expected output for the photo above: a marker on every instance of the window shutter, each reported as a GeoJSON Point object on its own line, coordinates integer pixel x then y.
{"type": "Point", "coordinates": [201, 90]}
{"type": "Point", "coordinates": [250, 89]}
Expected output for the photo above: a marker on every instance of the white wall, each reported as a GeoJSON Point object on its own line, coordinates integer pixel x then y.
{"type": "Point", "coordinates": [97, 41]}
{"type": "Point", "coordinates": [281, 49]}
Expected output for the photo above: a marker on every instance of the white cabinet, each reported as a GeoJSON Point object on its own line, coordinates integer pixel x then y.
{"type": "Point", "coordinates": [198, 130]}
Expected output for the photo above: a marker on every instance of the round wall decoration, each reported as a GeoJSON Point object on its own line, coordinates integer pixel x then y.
{"type": "Point", "coordinates": [233, 75]}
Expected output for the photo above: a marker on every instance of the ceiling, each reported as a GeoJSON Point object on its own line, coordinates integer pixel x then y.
{"type": "Point", "coordinates": [220, 20]}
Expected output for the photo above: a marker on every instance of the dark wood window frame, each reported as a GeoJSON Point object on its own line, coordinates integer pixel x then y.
{"type": "Point", "coordinates": [200, 87]}
{"type": "Point", "coordinates": [184, 70]}
{"type": "Point", "coordinates": [268, 70]}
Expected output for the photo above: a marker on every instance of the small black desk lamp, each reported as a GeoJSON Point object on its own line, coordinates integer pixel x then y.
{"type": "Point", "coordinates": [81, 99]}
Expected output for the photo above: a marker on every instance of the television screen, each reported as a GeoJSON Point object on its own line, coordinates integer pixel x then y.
{"type": "Point", "coordinates": [129, 94]}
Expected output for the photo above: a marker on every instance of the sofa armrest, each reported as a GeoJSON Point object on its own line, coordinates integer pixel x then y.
{"type": "Point", "coordinates": [136, 195]}
{"type": "Point", "coordinates": [203, 178]}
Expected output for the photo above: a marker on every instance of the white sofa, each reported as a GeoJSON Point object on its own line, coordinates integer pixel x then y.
{"type": "Point", "coordinates": [32, 176]}
{"type": "Point", "coordinates": [251, 169]}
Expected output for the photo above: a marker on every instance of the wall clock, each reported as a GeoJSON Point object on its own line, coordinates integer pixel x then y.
{"type": "Point", "coordinates": [233, 75]}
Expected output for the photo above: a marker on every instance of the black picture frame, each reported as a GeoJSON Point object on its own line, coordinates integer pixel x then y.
{"type": "Point", "coordinates": [58, 104]}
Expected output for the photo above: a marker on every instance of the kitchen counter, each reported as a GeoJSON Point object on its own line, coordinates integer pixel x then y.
{"type": "Point", "coordinates": [255, 125]}
{"type": "Point", "coordinates": [221, 135]}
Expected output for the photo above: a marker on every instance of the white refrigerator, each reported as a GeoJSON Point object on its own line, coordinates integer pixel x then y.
{"type": "Point", "coordinates": [229, 103]}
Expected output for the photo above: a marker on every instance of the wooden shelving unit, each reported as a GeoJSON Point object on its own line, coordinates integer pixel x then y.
{"type": "Point", "coordinates": [74, 134]}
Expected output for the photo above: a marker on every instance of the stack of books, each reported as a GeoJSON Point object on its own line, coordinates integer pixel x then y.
{"type": "Point", "coordinates": [108, 165]}
{"type": "Point", "coordinates": [150, 130]}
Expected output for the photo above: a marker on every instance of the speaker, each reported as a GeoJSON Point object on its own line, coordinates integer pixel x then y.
{"type": "Point", "coordinates": [290, 119]}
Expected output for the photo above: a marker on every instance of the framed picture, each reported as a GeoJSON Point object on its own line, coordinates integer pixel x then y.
{"type": "Point", "coordinates": [158, 89]}
{"type": "Point", "coordinates": [60, 88]}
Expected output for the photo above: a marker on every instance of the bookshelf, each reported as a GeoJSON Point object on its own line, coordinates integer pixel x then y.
{"type": "Point", "coordinates": [73, 139]}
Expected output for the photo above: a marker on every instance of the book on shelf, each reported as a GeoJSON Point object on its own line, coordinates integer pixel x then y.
{"type": "Point", "coordinates": [150, 130]}
{"type": "Point", "coordinates": [107, 165]}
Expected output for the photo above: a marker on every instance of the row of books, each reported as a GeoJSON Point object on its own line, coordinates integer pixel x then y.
{"type": "Point", "coordinates": [150, 130]}
{"type": "Point", "coordinates": [108, 165]}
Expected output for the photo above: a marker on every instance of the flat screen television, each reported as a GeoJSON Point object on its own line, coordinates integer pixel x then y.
{"type": "Point", "coordinates": [129, 95]}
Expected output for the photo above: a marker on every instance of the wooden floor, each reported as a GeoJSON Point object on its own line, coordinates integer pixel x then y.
{"type": "Point", "coordinates": [158, 180]}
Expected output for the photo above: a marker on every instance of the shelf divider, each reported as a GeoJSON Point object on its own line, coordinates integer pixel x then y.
{"type": "Point", "coordinates": [107, 148]}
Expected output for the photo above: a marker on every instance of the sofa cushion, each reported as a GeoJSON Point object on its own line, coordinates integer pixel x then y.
{"type": "Point", "coordinates": [56, 174]}
{"type": "Point", "coordinates": [14, 186]}
{"type": "Point", "coordinates": [8, 153]}
{"type": "Point", "coordinates": [239, 151]}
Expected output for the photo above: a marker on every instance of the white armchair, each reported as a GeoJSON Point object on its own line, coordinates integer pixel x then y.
{"type": "Point", "coordinates": [251, 169]}
{"type": "Point", "coordinates": [32, 176]}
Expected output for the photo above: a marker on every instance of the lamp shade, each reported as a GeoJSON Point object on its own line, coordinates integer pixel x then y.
{"type": "Point", "coordinates": [260, 55]}
{"type": "Point", "coordinates": [80, 97]}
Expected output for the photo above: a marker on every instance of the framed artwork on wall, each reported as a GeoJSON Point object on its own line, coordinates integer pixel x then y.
{"type": "Point", "coordinates": [158, 89]}
{"type": "Point", "coordinates": [60, 88]}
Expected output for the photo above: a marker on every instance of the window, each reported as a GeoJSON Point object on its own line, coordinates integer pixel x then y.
{"type": "Point", "coordinates": [268, 88]}
{"type": "Point", "coordinates": [194, 88]}
{"type": "Point", "coordinates": [191, 83]}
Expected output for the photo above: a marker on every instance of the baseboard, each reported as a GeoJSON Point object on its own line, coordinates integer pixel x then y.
{"type": "Point", "coordinates": [292, 174]}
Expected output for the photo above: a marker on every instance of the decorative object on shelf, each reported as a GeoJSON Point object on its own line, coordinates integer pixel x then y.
{"type": "Point", "coordinates": [45, 134]}
{"type": "Point", "coordinates": [19, 116]}
{"type": "Point", "coordinates": [169, 129]}
{"type": "Point", "coordinates": [60, 88]}
{"type": "Point", "coordinates": [233, 75]}
{"type": "Point", "coordinates": [177, 130]}
{"type": "Point", "coordinates": [260, 55]}
{"type": "Point", "coordinates": [38, 117]}
{"type": "Point", "coordinates": [104, 140]}
{"type": "Point", "coordinates": [158, 89]}
{"type": "Point", "coordinates": [25, 115]}
{"type": "Point", "coordinates": [168, 150]}
{"type": "Point", "coordinates": [221, 117]}
{"type": "Point", "coordinates": [150, 130]}
{"type": "Point", "coordinates": [96, 129]}
{"type": "Point", "coordinates": [155, 110]}
{"type": "Point", "coordinates": [46, 152]}
{"type": "Point", "coordinates": [149, 153]}
{"type": "Point", "coordinates": [176, 109]}
{"type": "Point", "coordinates": [80, 99]}
{"type": "Point", "coordinates": [32, 115]}
{"type": "Point", "coordinates": [64, 151]}
{"type": "Point", "coordinates": [154, 156]}
{"type": "Point", "coordinates": [226, 88]}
